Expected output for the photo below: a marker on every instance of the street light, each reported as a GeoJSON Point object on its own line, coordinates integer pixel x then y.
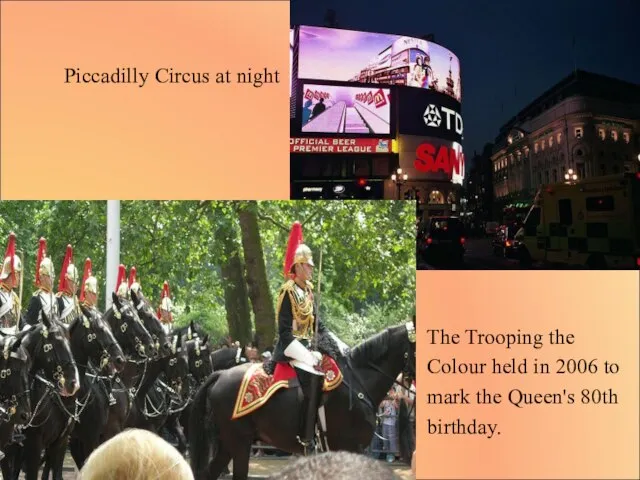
{"type": "Point", "coordinates": [399, 179]}
{"type": "Point", "coordinates": [570, 176]}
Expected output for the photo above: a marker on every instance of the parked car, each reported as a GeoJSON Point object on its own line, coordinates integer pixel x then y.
{"type": "Point", "coordinates": [504, 243]}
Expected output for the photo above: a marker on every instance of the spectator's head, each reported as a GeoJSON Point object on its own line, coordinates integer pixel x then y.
{"type": "Point", "coordinates": [336, 465]}
{"type": "Point", "coordinates": [136, 455]}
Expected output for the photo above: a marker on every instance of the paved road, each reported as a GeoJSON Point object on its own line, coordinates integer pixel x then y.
{"type": "Point", "coordinates": [478, 256]}
{"type": "Point", "coordinates": [259, 468]}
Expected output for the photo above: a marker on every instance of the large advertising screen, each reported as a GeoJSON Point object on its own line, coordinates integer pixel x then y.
{"type": "Point", "coordinates": [345, 110]}
{"type": "Point", "coordinates": [432, 158]}
{"type": "Point", "coordinates": [426, 113]}
{"type": "Point", "coordinates": [350, 56]}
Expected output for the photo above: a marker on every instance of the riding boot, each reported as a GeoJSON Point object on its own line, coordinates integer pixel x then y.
{"type": "Point", "coordinates": [310, 411]}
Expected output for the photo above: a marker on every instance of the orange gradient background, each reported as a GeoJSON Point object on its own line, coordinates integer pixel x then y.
{"type": "Point", "coordinates": [537, 441]}
{"type": "Point", "coordinates": [162, 141]}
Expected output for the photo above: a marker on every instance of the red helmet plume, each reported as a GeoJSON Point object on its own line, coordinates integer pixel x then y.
{"type": "Point", "coordinates": [295, 239]}
{"type": "Point", "coordinates": [42, 252]}
{"type": "Point", "coordinates": [165, 300]}
{"type": "Point", "coordinates": [132, 276]}
{"type": "Point", "coordinates": [85, 276]}
{"type": "Point", "coordinates": [122, 279]}
{"type": "Point", "coordinates": [66, 263]}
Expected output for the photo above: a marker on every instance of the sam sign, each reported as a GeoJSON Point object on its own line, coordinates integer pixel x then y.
{"type": "Point", "coordinates": [339, 145]}
{"type": "Point", "coordinates": [441, 158]}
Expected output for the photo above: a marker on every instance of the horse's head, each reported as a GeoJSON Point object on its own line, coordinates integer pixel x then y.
{"type": "Point", "coordinates": [130, 332]}
{"type": "Point", "coordinates": [200, 365]}
{"type": "Point", "coordinates": [92, 334]}
{"type": "Point", "coordinates": [227, 357]}
{"type": "Point", "coordinates": [15, 364]}
{"type": "Point", "coordinates": [177, 366]}
{"type": "Point", "coordinates": [152, 323]}
{"type": "Point", "coordinates": [49, 345]}
{"type": "Point", "coordinates": [381, 358]}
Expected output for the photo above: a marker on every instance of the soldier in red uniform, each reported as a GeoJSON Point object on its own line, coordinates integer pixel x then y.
{"type": "Point", "coordinates": [164, 311]}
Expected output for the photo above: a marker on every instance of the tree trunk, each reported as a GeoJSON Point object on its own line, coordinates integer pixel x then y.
{"type": "Point", "coordinates": [235, 289]}
{"type": "Point", "coordinates": [256, 276]}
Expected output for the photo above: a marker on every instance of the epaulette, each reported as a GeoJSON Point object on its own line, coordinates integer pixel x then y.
{"type": "Point", "coordinates": [288, 286]}
{"type": "Point", "coordinates": [309, 285]}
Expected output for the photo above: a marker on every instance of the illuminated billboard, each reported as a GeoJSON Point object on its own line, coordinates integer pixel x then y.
{"type": "Point", "coordinates": [345, 110]}
{"type": "Point", "coordinates": [350, 56]}
{"type": "Point", "coordinates": [432, 158]}
{"type": "Point", "coordinates": [426, 113]}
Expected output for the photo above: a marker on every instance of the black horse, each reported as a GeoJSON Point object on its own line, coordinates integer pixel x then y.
{"type": "Point", "coordinates": [139, 348]}
{"type": "Point", "coordinates": [200, 368]}
{"type": "Point", "coordinates": [161, 391]}
{"type": "Point", "coordinates": [369, 371]}
{"type": "Point", "coordinates": [15, 403]}
{"type": "Point", "coordinates": [152, 323]}
{"type": "Point", "coordinates": [48, 344]}
{"type": "Point", "coordinates": [228, 357]}
{"type": "Point", "coordinates": [94, 349]}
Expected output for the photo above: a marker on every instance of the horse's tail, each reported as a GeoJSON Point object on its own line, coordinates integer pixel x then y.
{"type": "Point", "coordinates": [201, 435]}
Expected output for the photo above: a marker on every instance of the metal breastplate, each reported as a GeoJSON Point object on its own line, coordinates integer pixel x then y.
{"type": "Point", "coordinates": [8, 309]}
{"type": "Point", "coordinates": [49, 305]}
{"type": "Point", "coordinates": [70, 308]}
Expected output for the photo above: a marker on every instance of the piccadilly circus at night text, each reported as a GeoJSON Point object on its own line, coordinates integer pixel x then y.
{"type": "Point", "coordinates": [375, 116]}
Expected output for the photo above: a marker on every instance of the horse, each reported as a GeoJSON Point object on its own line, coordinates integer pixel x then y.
{"type": "Point", "coordinates": [200, 367]}
{"type": "Point", "coordinates": [15, 402]}
{"type": "Point", "coordinates": [227, 357]}
{"type": "Point", "coordinates": [136, 342]}
{"type": "Point", "coordinates": [369, 370]}
{"type": "Point", "coordinates": [95, 349]}
{"type": "Point", "coordinates": [151, 322]}
{"type": "Point", "coordinates": [48, 344]}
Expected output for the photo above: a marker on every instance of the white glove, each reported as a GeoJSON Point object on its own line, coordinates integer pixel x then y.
{"type": "Point", "coordinates": [318, 357]}
{"type": "Point", "coordinates": [299, 352]}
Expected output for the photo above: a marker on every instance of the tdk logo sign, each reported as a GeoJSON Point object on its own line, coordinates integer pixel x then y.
{"type": "Point", "coordinates": [434, 114]}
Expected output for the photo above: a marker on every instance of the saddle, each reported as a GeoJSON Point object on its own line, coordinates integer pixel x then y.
{"type": "Point", "coordinates": [262, 380]}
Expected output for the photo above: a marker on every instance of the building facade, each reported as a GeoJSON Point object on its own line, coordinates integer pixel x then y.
{"type": "Point", "coordinates": [587, 124]}
{"type": "Point", "coordinates": [479, 186]}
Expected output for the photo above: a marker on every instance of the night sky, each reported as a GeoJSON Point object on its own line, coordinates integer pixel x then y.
{"type": "Point", "coordinates": [509, 53]}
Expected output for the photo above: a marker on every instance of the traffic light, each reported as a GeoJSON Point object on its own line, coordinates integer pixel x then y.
{"type": "Point", "coordinates": [362, 182]}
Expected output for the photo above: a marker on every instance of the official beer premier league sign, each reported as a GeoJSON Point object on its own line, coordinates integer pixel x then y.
{"type": "Point", "coordinates": [339, 145]}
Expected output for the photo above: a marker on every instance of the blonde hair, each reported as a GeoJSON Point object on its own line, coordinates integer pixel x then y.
{"type": "Point", "coordinates": [136, 455]}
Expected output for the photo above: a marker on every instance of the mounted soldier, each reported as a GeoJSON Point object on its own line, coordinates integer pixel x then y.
{"type": "Point", "coordinates": [89, 288]}
{"type": "Point", "coordinates": [296, 316]}
{"type": "Point", "coordinates": [122, 288]}
{"type": "Point", "coordinates": [43, 299]}
{"type": "Point", "coordinates": [9, 280]}
{"type": "Point", "coordinates": [89, 300]}
{"type": "Point", "coordinates": [165, 309]}
{"type": "Point", "coordinates": [68, 305]}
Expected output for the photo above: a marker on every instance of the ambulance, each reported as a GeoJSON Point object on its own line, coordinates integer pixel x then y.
{"type": "Point", "coordinates": [593, 223]}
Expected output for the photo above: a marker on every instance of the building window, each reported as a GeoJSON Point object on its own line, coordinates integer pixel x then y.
{"type": "Point", "coordinates": [436, 197]}
{"type": "Point", "coordinates": [542, 145]}
{"type": "Point", "coordinates": [559, 137]}
{"type": "Point", "coordinates": [603, 169]}
{"type": "Point", "coordinates": [555, 176]}
{"type": "Point", "coordinates": [627, 137]}
{"type": "Point", "coordinates": [578, 132]}
{"type": "Point", "coordinates": [614, 135]}
{"type": "Point", "coordinates": [551, 141]}
{"type": "Point", "coordinates": [601, 133]}
{"type": "Point", "coordinates": [535, 147]}
{"type": "Point", "coordinates": [580, 170]}
{"type": "Point", "coordinates": [578, 153]}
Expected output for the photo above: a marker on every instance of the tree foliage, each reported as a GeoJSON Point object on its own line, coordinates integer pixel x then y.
{"type": "Point", "coordinates": [367, 280]}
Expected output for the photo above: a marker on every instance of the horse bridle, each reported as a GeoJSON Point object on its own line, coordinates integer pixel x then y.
{"type": "Point", "coordinates": [366, 396]}
{"type": "Point", "coordinates": [123, 328]}
{"type": "Point", "coordinates": [9, 404]}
